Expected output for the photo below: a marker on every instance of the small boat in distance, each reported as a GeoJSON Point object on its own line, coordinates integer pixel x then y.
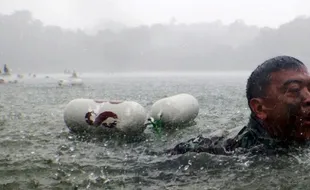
{"type": "Point", "coordinates": [7, 77]}
{"type": "Point", "coordinates": [6, 71]}
{"type": "Point", "coordinates": [73, 80]}
{"type": "Point", "coordinates": [74, 75]}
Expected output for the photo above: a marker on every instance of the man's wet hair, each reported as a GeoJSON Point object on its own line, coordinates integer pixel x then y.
{"type": "Point", "coordinates": [260, 78]}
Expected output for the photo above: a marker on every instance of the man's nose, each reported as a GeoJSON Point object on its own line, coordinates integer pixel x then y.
{"type": "Point", "coordinates": [306, 97]}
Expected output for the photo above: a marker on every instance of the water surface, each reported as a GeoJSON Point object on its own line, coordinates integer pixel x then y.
{"type": "Point", "coordinates": [38, 152]}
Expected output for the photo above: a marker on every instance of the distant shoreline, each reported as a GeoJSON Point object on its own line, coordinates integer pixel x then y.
{"type": "Point", "coordinates": [151, 74]}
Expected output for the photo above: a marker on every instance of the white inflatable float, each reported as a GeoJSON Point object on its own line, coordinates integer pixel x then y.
{"type": "Point", "coordinates": [175, 110]}
{"type": "Point", "coordinates": [70, 82]}
{"type": "Point", "coordinates": [125, 117]}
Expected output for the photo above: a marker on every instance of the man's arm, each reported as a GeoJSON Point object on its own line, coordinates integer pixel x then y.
{"type": "Point", "coordinates": [214, 145]}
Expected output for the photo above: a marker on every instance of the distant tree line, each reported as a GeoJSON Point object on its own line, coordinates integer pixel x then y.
{"type": "Point", "coordinates": [26, 44]}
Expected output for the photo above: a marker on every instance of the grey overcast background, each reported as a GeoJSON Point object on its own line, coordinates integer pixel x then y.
{"type": "Point", "coordinates": [150, 35]}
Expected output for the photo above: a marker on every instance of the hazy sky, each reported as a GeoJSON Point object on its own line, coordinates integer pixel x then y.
{"type": "Point", "coordinates": [87, 13]}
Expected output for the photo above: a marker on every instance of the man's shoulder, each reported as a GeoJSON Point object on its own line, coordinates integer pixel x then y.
{"type": "Point", "coordinates": [221, 141]}
{"type": "Point", "coordinates": [216, 143]}
{"type": "Point", "coordinates": [245, 138]}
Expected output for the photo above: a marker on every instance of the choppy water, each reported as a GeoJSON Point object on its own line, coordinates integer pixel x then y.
{"type": "Point", "coordinates": [38, 152]}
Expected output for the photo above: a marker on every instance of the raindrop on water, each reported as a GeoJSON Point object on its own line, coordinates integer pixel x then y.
{"type": "Point", "coordinates": [186, 167]}
{"type": "Point", "coordinates": [189, 162]}
{"type": "Point", "coordinates": [180, 167]}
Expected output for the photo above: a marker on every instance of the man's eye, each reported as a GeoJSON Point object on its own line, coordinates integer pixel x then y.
{"type": "Point", "coordinates": [293, 90]}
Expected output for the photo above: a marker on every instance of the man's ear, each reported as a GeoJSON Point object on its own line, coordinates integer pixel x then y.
{"type": "Point", "coordinates": [257, 106]}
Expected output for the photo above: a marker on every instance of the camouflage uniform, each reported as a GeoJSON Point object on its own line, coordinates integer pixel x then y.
{"type": "Point", "coordinates": [252, 137]}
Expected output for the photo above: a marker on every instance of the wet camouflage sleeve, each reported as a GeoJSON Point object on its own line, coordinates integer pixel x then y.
{"type": "Point", "coordinates": [214, 145]}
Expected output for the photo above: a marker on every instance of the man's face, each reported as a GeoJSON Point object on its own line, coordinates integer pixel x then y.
{"type": "Point", "coordinates": [287, 103]}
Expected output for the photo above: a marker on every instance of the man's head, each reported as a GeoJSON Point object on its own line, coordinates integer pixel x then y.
{"type": "Point", "coordinates": [278, 93]}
